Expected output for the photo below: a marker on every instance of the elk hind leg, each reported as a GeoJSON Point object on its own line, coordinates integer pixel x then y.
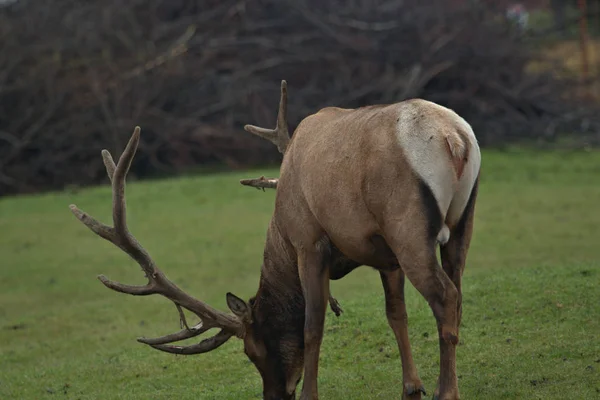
{"type": "Point", "coordinates": [422, 269]}
{"type": "Point", "coordinates": [414, 245]}
{"type": "Point", "coordinates": [454, 255]}
{"type": "Point", "coordinates": [395, 309]}
{"type": "Point", "coordinates": [442, 295]}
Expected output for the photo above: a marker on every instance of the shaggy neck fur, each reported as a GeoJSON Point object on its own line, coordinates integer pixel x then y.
{"type": "Point", "coordinates": [279, 298]}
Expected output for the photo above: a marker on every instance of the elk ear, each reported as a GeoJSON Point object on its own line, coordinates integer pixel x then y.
{"type": "Point", "coordinates": [238, 307]}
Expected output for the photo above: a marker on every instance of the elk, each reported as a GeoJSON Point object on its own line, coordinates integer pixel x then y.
{"type": "Point", "coordinates": [380, 186]}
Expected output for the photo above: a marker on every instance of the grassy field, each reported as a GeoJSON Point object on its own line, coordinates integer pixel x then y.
{"type": "Point", "coordinates": [531, 324]}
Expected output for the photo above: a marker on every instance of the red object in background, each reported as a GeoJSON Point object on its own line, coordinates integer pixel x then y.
{"type": "Point", "coordinates": [583, 39]}
{"type": "Point", "coordinates": [529, 4]}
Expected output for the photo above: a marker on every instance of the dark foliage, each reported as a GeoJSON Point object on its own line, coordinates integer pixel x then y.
{"type": "Point", "coordinates": [77, 76]}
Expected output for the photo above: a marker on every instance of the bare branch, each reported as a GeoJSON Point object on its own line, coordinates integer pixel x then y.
{"type": "Point", "coordinates": [179, 47]}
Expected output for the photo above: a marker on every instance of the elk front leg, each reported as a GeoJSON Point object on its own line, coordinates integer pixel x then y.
{"type": "Point", "coordinates": [395, 309]}
{"type": "Point", "coordinates": [314, 277]}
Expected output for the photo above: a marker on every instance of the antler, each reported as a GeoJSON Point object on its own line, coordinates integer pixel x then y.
{"type": "Point", "coordinates": [281, 138]}
{"type": "Point", "coordinates": [261, 183]}
{"type": "Point", "coordinates": [158, 283]}
{"type": "Point", "coordinates": [280, 135]}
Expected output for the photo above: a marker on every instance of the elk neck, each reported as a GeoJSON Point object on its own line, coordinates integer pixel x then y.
{"type": "Point", "coordinates": [279, 297]}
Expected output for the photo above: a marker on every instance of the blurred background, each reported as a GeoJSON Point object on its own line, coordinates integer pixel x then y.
{"type": "Point", "coordinates": [77, 76]}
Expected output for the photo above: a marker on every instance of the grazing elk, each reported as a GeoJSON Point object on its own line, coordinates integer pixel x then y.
{"type": "Point", "coordinates": [380, 186]}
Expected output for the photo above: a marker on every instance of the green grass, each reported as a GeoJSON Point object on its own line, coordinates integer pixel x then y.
{"type": "Point", "coordinates": [531, 324]}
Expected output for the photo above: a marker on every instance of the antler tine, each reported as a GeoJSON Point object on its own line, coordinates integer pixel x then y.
{"type": "Point", "coordinates": [280, 135]}
{"type": "Point", "coordinates": [158, 283]}
{"type": "Point", "coordinates": [109, 164]}
{"type": "Point", "coordinates": [203, 347]}
{"type": "Point", "coordinates": [186, 333]}
{"type": "Point", "coordinates": [261, 183]}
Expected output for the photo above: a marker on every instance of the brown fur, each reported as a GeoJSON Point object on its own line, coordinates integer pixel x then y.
{"type": "Point", "coordinates": [347, 197]}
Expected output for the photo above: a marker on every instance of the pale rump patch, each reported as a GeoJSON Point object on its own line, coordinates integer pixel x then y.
{"type": "Point", "coordinates": [442, 149]}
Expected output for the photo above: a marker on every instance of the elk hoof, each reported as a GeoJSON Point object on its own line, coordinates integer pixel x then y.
{"type": "Point", "coordinates": [413, 392]}
{"type": "Point", "coordinates": [436, 396]}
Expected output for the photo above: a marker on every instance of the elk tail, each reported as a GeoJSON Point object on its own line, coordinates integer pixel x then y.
{"type": "Point", "coordinates": [458, 146]}
{"type": "Point", "coordinates": [457, 142]}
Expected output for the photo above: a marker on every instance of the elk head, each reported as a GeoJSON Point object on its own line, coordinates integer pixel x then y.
{"type": "Point", "coordinates": [273, 342]}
